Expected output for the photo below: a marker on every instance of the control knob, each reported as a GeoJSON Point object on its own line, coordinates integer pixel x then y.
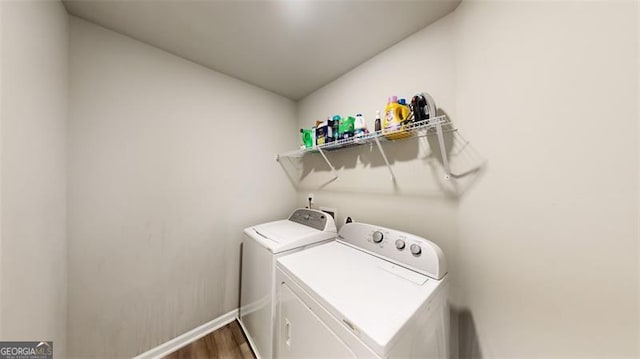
{"type": "Point", "coordinates": [400, 244]}
{"type": "Point", "coordinates": [415, 250]}
{"type": "Point", "coordinates": [377, 237]}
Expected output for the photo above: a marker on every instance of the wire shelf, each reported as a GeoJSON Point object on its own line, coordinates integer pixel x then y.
{"type": "Point", "coordinates": [414, 129]}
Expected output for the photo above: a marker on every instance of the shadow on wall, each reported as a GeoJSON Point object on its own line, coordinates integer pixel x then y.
{"type": "Point", "coordinates": [408, 159]}
{"type": "Point", "coordinates": [464, 335]}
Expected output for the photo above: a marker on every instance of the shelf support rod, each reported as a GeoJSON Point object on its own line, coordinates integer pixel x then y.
{"type": "Point", "coordinates": [333, 169]}
{"type": "Point", "coordinates": [443, 150]}
{"type": "Point", "coordinates": [384, 156]}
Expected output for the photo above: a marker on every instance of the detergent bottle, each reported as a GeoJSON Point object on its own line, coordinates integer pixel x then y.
{"type": "Point", "coordinates": [395, 116]}
{"type": "Point", "coordinates": [360, 126]}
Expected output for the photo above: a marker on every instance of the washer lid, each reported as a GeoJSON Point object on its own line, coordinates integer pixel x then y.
{"type": "Point", "coordinates": [279, 236]}
{"type": "Point", "coordinates": [372, 297]}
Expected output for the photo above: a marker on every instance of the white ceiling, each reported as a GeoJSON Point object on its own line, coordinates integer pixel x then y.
{"type": "Point", "coordinates": [288, 47]}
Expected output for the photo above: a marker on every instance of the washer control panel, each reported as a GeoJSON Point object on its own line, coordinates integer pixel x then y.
{"type": "Point", "coordinates": [310, 217]}
{"type": "Point", "coordinates": [408, 250]}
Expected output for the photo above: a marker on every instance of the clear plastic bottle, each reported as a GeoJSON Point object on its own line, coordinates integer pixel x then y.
{"type": "Point", "coordinates": [360, 125]}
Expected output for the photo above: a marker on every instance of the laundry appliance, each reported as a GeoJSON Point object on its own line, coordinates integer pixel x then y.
{"type": "Point", "coordinates": [262, 245]}
{"type": "Point", "coordinates": [373, 293]}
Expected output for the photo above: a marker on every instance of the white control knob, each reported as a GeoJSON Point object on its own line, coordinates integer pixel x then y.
{"type": "Point", "coordinates": [377, 237]}
{"type": "Point", "coordinates": [415, 250]}
{"type": "Point", "coordinates": [400, 244]}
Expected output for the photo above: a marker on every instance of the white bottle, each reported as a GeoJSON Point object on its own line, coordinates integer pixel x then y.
{"type": "Point", "coordinates": [313, 137]}
{"type": "Point", "coordinates": [359, 125]}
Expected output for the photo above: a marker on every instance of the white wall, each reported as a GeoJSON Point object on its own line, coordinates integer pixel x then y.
{"type": "Point", "coordinates": [417, 201]}
{"type": "Point", "coordinates": [544, 242]}
{"type": "Point", "coordinates": [548, 92]}
{"type": "Point", "coordinates": [169, 161]}
{"type": "Point", "coordinates": [33, 168]}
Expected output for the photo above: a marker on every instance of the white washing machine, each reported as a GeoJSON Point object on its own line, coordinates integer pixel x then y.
{"type": "Point", "coordinates": [373, 293]}
{"type": "Point", "coordinates": [262, 245]}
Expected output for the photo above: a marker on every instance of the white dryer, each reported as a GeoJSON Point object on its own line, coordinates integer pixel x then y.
{"type": "Point", "coordinates": [262, 245]}
{"type": "Point", "coordinates": [373, 293]}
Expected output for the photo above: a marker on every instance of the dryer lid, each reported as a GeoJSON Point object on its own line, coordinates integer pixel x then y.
{"type": "Point", "coordinates": [373, 297]}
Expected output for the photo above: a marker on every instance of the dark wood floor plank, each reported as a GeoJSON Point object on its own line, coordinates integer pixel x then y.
{"type": "Point", "coordinates": [241, 340]}
{"type": "Point", "coordinates": [212, 348]}
{"type": "Point", "coordinates": [246, 352]}
{"type": "Point", "coordinates": [228, 342]}
{"type": "Point", "coordinates": [238, 336]}
{"type": "Point", "coordinates": [200, 350]}
{"type": "Point", "coordinates": [227, 347]}
{"type": "Point", "coordinates": [185, 353]}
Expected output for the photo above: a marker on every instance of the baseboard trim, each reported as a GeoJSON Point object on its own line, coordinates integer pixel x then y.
{"type": "Point", "coordinates": [178, 342]}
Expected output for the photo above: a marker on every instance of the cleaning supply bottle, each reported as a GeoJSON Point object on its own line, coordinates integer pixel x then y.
{"type": "Point", "coordinates": [307, 140]}
{"type": "Point", "coordinates": [394, 119]}
{"type": "Point", "coordinates": [336, 127]}
{"type": "Point", "coordinates": [378, 123]}
{"type": "Point", "coordinates": [390, 122]}
{"type": "Point", "coordinates": [359, 126]}
{"type": "Point", "coordinates": [313, 137]}
{"type": "Point", "coordinates": [405, 111]}
{"type": "Point", "coordinates": [347, 127]}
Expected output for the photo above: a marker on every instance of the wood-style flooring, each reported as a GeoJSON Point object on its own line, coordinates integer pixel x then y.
{"type": "Point", "coordinates": [226, 342]}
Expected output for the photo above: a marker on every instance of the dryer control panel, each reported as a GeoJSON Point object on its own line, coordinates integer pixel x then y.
{"type": "Point", "coordinates": [408, 250]}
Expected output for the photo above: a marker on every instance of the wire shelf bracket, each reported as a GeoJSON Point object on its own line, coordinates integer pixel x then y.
{"type": "Point", "coordinates": [443, 151]}
{"type": "Point", "coordinates": [333, 169]}
{"type": "Point", "coordinates": [386, 161]}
